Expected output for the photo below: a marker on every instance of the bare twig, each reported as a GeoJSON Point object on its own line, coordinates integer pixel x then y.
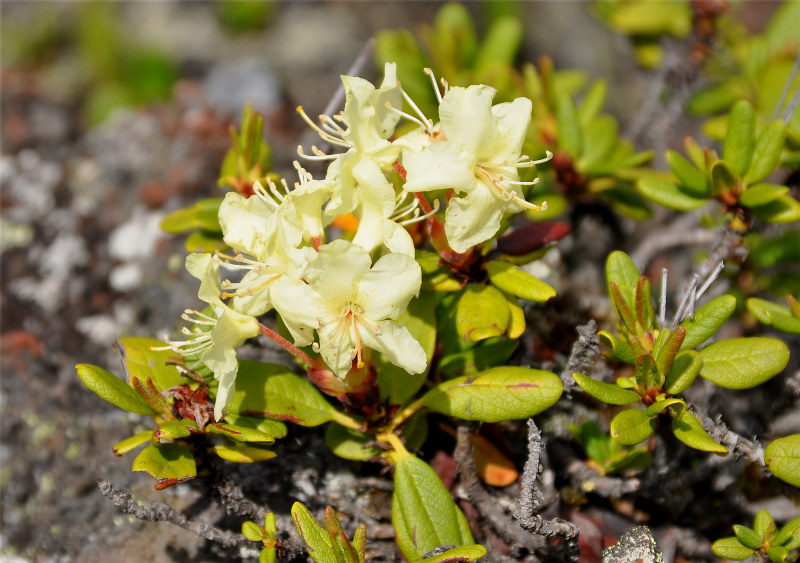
{"type": "Point", "coordinates": [531, 497]}
{"type": "Point", "coordinates": [581, 356]}
{"type": "Point", "coordinates": [160, 512]}
{"type": "Point", "coordinates": [484, 502]}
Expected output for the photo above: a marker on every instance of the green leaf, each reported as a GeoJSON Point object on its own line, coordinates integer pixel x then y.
{"type": "Point", "coordinates": [500, 44]}
{"type": "Point", "coordinates": [787, 531]}
{"type": "Point", "coordinates": [610, 393]}
{"type": "Point", "coordinates": [620, 350]}
{"type": "Point", "coordinates": [783, 209]}
{"type": "Point", "coordinates": [463, 553]}
{"type": "Point", "coordinates": [731, 548]}
{"type": "Point", "coordinates": [132, 443]}
{"type": "Point", "coordinates": [747, 536]}
{"type": "Point", "coordinates": [349, 444]}
{"type": "Point", "coordinates": [360, 542]}
{"type": "Point", "coordinates": [315, 538]}
{"type": "Point", "coordinates": [707, 320]}
{"type": "Point", "coordinates": [202, 215]}
{"type": "Point", "coordinates": [683, 372]}
{"type": "Point", "coordinates": [240, 433]}
{"type": "Point", "coordinates": [273, 391]}
{"type": "Point", "coordinates": [767, 152]}
{"type": "Point", "coordinates": [763, 524]}
{"type": "Point", "coordinates": [623, 310]}
{"type": "Point", "coordinates": [239, 453]}
{"type": "Point", "coordinates": [570, 136]}
{"type": "Point", "coordinates": [108, 386]}
{"type": "Point", "coordinates": [501, 393]}
{"type": "Point", "coordinates": [395, 383]}
{"type": "Point", "coordinates": [482, 312]}
{"type": "Point", "coordinates": [140, 361]}
{"type": "Point", "coordinates": [723, 178]}
{"type": "Point", "coordinates": [520, 283]}
{"type": "Point", "coordinates": [645, 317]}
{"type": "Point", "coordinates": [273, 428]}
{"type": "Point", "coordinates": [175, 429]}
{"type": "Point", "coordinates": [782, 457]}
{"type": "Point", "coordinates": [740, 138]}
{"type": "Point", "coordinates": [631, 427]}
{"type": "Point", "coordinates": [688, 430]}
{"type": "Point", "coordinates": [205, 241]}
{"type": "Point", "coordinates": [777, 554]}
{"type": "Point", "coordinates": [668, 194]}
{"type": "Point", "coordinates": [621, 270]}
{"type": "Point", "coordinates": [424, 515]}
{"type": "Point", "coordinates": [695, 180]}
{"type": "Point", "coordinates": [592, 102]}
{"type": "Point", "coordinates": [601, 137]}
{"type": "Point", "coordinates": [660, 406]}
{"type": "Point", "coordinates": [762, 194]}
{"type": "Point", "coordinates": [168, 461]}
{"type": "Point", "coordinates": [775, 315]}
{"type": "Point", "coordinates": [666, 353]}
{"type": "Point", "coordinates": [742, 363]}
{"type": "Point", "coordinates": [267, 555]}
{"type": "Point", "coordinates": [252, 531]}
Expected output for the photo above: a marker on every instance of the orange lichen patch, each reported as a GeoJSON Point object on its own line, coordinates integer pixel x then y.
{"type": "Point", "coordinates": [347, 222]}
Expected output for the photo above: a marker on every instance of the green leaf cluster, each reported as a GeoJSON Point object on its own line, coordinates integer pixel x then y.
{"type": "Point", "coordinates": [754, 67]}
{"type": "Point", "coordinates": [182, 411]}
{"type": "Point", "coordinates": [264, 534]}
{"type": "Point", "coordinates": [666, 363]}
{"type": "Point", "coordinates": [763, 541]}
{"type": "Point", "coordinates": [736, 180]}
{"type": "Point", "coordinates": [328, 544]}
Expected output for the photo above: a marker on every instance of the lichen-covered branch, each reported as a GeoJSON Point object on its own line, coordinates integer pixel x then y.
{"type": "Point", "coordinates": [738, 445]}
{"type": "Point", "coordinates": [581, 356]}
{"type": "Point", "coordinates": [160, 512]}
{"type": "Point", "coordinates": [485, 503]}
{"type": "Point", "coordinates": [531, 498]}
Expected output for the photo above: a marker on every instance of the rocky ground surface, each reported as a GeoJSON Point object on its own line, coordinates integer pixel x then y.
{"type": "Point", "coordinates": [84, 262]}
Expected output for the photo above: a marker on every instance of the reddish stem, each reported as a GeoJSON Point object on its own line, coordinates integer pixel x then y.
{"type": "Point", "coordinates": [289, 347]}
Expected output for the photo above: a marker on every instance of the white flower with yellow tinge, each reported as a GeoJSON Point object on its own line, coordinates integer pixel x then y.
{"type": "Point", "coordinates": [216, 335]}
{"type": "Point", "coordinates": [476, 151]}
{"type": "Point", "coordinates": [352, 304]}
{"type": "Point", "coordinates": [266, 230]}
{"type": "Point", "coordinates": [357, 175]}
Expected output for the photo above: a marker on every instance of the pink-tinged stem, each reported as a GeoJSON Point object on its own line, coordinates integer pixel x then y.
{"type": "Point", "coordinates": [289, 347]}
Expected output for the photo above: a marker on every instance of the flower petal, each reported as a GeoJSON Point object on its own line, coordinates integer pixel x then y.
{"type": "Point", "coordinates": [466, 117]}
{"type": "Point", "coordinates": [336, 346]}
{"type": "Point", "coordinates": [335, 271]}
{"type": "Point", "coordinates": [439, 167]}
{"type": "Point", "coordinates": [394, 341]}
{"type": "Point", "coordinates": [473, 219]}
{"type": "Point", "coordinates": [384, 291]}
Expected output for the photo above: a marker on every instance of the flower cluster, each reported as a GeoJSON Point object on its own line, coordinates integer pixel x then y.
{"type": "Point", "coordinates": [331, 295]}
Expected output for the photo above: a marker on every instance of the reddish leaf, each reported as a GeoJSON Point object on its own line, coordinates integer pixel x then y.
{"type": "Point", "coordinates": [532, 237]}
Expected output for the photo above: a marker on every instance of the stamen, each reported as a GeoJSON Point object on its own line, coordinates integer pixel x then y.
{"type": "Point", "coordinates": [417, 217]}
{"type": "Point", "coordinates": [320, 156]}
{"type": "Point", "coordinates": [426, 123]}
{"type": "Point", "coordinates": [248, 290]}
{"type": "Point", "coordinates": [429, 72]}
{"type": "Point", "coordinates": [332, 139]}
